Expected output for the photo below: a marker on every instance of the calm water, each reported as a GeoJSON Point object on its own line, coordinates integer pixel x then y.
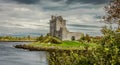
{"type": "Point", "coordinates": [12, 56]}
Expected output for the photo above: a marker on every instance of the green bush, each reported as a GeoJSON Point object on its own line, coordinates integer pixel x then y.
{"type": "Point", "coordinates": [50, 39]}
{"type": "Point", "coordinates": [40, 38]}
{"type": "Point", "coordinates": [109, 51]}
{"type": "Point", "coordinates": [85, 38]}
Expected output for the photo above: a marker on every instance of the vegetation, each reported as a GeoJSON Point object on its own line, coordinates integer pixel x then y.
{"type": "Point", "coordinates": [104, 50]}
{"type": "Point", "coordinates": [12, 38]}
{"type": "Point", "coordinates": [113, 12]}
{"type": "Point", "coordinates": [50, 39]}
{"type": "Point", "coordinates": [108, 53]}
{"type": "Point", "coordinates": [39, 38]}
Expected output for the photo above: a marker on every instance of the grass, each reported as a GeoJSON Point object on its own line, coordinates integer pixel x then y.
{"type": "Point", "coordinates": [52, 43]}
{"type": "Point", "coordinates": [64, 45]}
{"type": "Point", "coordinates": [71, 43]}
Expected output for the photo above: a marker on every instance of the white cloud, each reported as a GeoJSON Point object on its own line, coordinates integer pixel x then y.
{"type": "Point", "coordinates": [36, 16]}
{"type": "Point", "coordinates": [22, 9]}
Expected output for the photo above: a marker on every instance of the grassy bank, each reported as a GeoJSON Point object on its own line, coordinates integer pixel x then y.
{"type": "Point", "coordinates": [65, 45]}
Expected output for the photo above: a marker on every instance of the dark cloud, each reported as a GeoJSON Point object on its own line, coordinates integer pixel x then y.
{"type": "Point", "coordinates": [87, 1]}
{"type": "Point", "coordinates": [83, 26]}
{"type": "Point", "coordinates": [27, 1]}
{"type": "Point", "coordinates": [98, 17]}
{"type": "Point", "coordinates": [67, 1]}
{"type": "Point", "coordinates": [84, 1]}
{"type": "Point", "coordinates": [84, 29]}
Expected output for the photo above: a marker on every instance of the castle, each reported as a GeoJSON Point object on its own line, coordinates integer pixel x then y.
{"type": "Point", "coordinates": [58, 29]}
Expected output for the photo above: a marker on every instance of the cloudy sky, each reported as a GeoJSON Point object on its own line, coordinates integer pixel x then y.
{"type": "Point", "coordinates": [31, 17]}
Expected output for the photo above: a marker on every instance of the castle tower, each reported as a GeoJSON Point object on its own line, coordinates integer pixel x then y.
{"type": "Point", "coordinates": [57, 24]}
{"type": "Point", "coordinates": [58, 29]}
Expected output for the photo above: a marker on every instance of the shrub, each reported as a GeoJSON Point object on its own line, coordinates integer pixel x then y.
{"type": "Point", "coordinates": [50, 39]}
{"type": "Point", "coordinates": [40, 38]}
{"type": "Point", "coordinates": [85, 38]}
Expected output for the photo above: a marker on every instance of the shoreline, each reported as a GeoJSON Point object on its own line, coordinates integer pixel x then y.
{"type": "Point", "coordinates": [48, 49]}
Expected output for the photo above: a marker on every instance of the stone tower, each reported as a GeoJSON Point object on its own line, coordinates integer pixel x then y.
{"type": "Point", "coordinates": [58, 29]}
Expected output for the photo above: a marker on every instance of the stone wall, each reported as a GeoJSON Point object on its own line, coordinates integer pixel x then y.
{"type": "Point", "coordinates": [58, 29]}
{"type": "Point", "coordinates": [69, 35]}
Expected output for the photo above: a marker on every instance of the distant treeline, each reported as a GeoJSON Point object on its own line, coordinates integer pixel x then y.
{"type": "Point", "coordinates": [13, 38]}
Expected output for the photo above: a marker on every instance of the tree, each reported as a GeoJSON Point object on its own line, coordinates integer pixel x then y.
{"type": "Point", "coordinates": [28, 37]}
{"type": "Point", "coordinates": [87, 38]}
{"type": "Point", "coordinates": [108, 52]}
{"type": "Point", "coordinates": [113, 12]}
{"type": "Point", "coordinates": [40, 38]}
{"type": "Point", "coordinates": [106, 30]}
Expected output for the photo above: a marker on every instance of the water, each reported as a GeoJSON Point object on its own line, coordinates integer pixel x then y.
{"type": "Point", "coordinates": [13, 56]}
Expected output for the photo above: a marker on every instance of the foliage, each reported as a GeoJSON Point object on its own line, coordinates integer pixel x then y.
{"type": "Point", "coordinates": [68, 58]}
{"type": "Point", "coordinates": [85, 38]}
{"type": "Point", "coordinates": [50, 39]}
{"type": "Point", "coordinates": [107, 31]}
{"type": "Point", "coordinates": [40, 38]}
{"type": "Point", "coordinates": [118, 30]}
{"type": "Point", "coordinates": [13, 38]}
{"type": "Point", "coordinates": [108, 53]}
{"type": "Point", "coordinates": [113, 12]}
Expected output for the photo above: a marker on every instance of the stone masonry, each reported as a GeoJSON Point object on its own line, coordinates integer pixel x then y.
{"type": "Point", "coordinates": [58, 29]}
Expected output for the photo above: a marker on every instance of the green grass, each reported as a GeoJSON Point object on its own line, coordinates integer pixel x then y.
{"type": "Point", "coordinates": [49, 41]}
{"type": "Point", "coordinates": [71, 43]}
{"type": "Point", "coordinates": [65, 45]}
